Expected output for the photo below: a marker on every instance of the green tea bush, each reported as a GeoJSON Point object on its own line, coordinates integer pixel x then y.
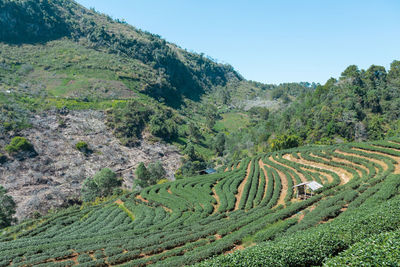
{"type": "Point", "coordinates": [378, 250]}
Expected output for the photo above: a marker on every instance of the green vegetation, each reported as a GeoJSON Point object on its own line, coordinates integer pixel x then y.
{"type": "Point", "coordinates": [195, 219]}
{"type": "Point", "coordinates": [360, 105]}
{"type": "Point", "coordinates": [129, 119]}
{"type": "Point", "coordinates": [19, 144]}
{"type": "Point", "coordinates": [7, 208]}
{"type": "Point", "coordinates": [378, 250]}
{"type": "Point", "coordinates": [173, 69]}
{"type": "Point", "coordinates": [285, 142]}
{"type": "Point", "coordinates": [151, 175]}
{"type": "Point", "coordinates": [231, 122]}
{"type": "Point", "coordinates": [103, 184]}
{"type": "Point", "coordinates": [157, 171]}
{"type": "Point", "coordinates": [149, 89]}
{"type": "Point", "coordinates": [83, 147]}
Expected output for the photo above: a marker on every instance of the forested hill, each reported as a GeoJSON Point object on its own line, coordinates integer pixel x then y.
{"type": "Point", "coordinates": [360, 105]}
{"type": "Point", "coordinates": [175, 73]}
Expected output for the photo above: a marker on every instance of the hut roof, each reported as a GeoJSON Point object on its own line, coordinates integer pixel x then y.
{"type": "Point", "coordinates": [313, 185]}
{"type": "Point", "coordinates": [211, 170]}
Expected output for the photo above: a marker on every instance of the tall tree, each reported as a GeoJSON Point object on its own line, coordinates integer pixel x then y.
{"type": "Point", "coordinates": [219, 144]}
{"type": "Point", "coordinates": [101, 185]}
{"type": "Point", "coordinates": [7, 208]}
{"type": "Point", "coordinates": [143, 175]}
{"type": "Point", "coordinates": [157, 172]}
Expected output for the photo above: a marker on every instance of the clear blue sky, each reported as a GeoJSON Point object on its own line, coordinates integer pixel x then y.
{"type": "Point", "coordinates": [272, 41]}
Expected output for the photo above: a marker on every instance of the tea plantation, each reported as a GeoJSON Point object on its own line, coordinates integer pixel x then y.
{"type": "Point", "coordinates": [209, 220]}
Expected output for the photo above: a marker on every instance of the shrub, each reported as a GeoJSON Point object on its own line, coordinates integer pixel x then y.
{"type": "Point", "coordinates": [3, 158]}
{"type": "Point", "coordinates": [83, 147]}
{"type": "Point", "coordinates": [7, 208]}
{"type": "Point", "coordinates": [19, 144]}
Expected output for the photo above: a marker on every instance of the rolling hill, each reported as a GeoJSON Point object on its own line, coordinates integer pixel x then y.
{"type": "Point", "coordinates": [252, 203]}
{"type": "Point", "coordinates": [163, 70]}
{"type": "Point", "coordinates": [69, 74]}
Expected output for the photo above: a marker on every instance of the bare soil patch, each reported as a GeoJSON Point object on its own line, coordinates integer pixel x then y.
{"type": "Point", "coordinates": [241, 186]}
{"type": "Point", "coordinates": [119, 202]}
{"type": "Point", "coordinates": [215, 195]}
{"type": "Point", "coordinates": [381, 163]}
{"type": "Point", "coordinates": [284, 182]}
{"type": "Point", "coordinates": [142, 199]}
{"type": "Point", "coordinates": [344, 175]}
{"type": "Point", "coordinates": [261, 163]}
{"type": "Point", "coordinates": [397, 159]}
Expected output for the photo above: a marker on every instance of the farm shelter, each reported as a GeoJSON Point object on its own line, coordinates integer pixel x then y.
{"type": "Point", "coordinates": [306, 189]}
{"type": "Point", "coordinates": [207, 171]}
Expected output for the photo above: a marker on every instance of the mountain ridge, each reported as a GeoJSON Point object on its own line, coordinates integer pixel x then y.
{"type": "Point", "coordinates": [181, 74]}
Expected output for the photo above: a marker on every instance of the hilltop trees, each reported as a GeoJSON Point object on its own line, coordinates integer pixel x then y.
{"type": "Point", "coordinates": [336, 111]}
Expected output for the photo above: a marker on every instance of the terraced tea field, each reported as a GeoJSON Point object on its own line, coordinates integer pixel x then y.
{"type": "Point", "coordinates": [190, 220]}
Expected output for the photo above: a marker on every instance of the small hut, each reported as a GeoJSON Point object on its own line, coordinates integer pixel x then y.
{"type": "Point", "coordinates": [207, 171]}
{"type": "Point", "coordinates": [305, 190]}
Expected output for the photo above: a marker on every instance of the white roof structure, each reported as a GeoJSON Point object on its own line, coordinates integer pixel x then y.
{"type": "Point", "coordinates": [313, 185]}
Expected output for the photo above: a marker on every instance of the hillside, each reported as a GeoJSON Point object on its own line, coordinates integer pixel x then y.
{"type": "Point", "coordinates": [60, 63]}
{"type": "Point", "coordinates": [170, 73]}
{"type": "Point", "coordinates": [104, 129]}
{"type": "Point", "coordinates": [359, 105]}
{"type": "Point", "coordinates": [252, 204]}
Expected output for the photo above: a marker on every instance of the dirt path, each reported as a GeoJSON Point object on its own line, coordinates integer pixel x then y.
{"type": "Point", "coordinates": [397, 159]}
{"type": "Point", "coordinates": [336, 159]}
{"type": "Point", "coordinates": [241, 186]}
{"type": "Point", "coordinates": [284, 183]}
{"type": "Point", "coordinates": [301, 217]}
{"type": "Point", "coordinates": [261, 164]}
{"type": "Point", "coordinates": [146, 201]}
{"type": "Point", "coordinates": [328, 177]}
{"type": "Point", "coordinates": [119, 202]}
{"type": "Point", "coordinates": [217, 237]}
{"type": "Point", "coordinates": [239, 247]}
{"type": "Point", "coordinates": [381, 163]}
{"type": "Point", "coordinates": [302, 177]}
{"type": "Point", "coordinates": [344, 175]}
{"type": "Point", "coordinates": [216, 206]}
{"type": "Point", "coordinates": [142, 199]}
